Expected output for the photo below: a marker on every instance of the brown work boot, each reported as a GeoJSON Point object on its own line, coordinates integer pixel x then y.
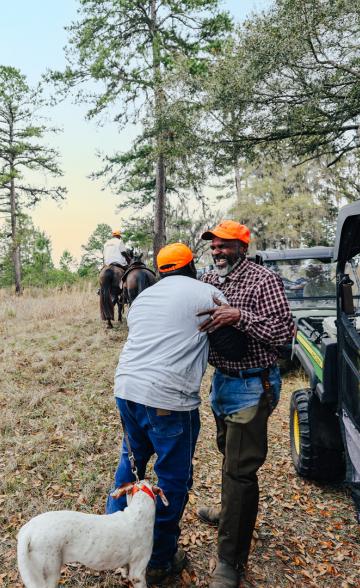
{"type": "Point", "coordinates": [209, 515]}
{"type": "Point", "coordinates": [157, 575]}
{"type": "Point", "coordinates": [226, 576]}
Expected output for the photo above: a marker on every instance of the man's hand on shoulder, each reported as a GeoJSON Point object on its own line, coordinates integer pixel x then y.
{"type": "Point", "coordinates": [220, 316]}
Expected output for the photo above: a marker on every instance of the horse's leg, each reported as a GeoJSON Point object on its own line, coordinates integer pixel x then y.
{"type": "Point", "coordinates": [106, 303]}
{"type": "Point", "coordinates": [120, 309]}
{"type": "Point", "coordinates": [104, 309]}
{"type": "Point", "coordinates": [117, 301]}
{"type": "Point", "coordinates": [122, 300]}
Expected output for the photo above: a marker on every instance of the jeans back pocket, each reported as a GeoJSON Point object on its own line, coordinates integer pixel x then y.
{"type": "Point", "coordinates": [169, 425]}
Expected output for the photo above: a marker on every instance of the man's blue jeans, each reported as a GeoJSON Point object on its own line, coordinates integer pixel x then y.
{"type": "Point", "coordinates": [173, 438]}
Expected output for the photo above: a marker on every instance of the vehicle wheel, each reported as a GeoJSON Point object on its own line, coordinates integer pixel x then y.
{"type": "Point", "coordinates": [300, 443]}
{"type": "Point", "coordinates": [315, 438]}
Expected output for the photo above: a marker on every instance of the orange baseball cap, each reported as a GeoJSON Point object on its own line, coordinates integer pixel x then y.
{"type": "Point", "coordinates": [228, 229]}
{"type": "Point", "coordinates": [175, 255]}
{"type": "Point", "coordinates": [116, 233]}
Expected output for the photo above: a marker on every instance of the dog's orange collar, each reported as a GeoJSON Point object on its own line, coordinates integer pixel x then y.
{"type": "Point", "coordinates": [145, 489]}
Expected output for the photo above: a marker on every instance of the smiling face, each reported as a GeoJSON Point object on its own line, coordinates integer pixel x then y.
{"type": "Point", "coordinates": [226, 253]}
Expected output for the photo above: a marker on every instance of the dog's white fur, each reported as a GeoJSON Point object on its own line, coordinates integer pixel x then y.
{"type": "Point", "coordinates": [101, 542]}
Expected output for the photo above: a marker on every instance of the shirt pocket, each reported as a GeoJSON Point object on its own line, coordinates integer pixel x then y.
{"type": "Point", "coordinates": [169, 425]}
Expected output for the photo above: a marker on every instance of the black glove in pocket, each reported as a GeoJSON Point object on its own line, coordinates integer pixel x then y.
{"type": "Point", "coordinates": [229, 342]}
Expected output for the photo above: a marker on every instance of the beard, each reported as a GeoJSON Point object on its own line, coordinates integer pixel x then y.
{"type": "Point", "coordinates": [224, 264]}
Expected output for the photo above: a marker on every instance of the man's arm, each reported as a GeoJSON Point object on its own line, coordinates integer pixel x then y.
{"type": "Point", "coordinates": [271, 323]}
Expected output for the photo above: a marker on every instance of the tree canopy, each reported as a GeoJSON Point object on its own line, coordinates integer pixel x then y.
{"type": "Point", "coordinates": [304, 68]}
{"type": "Point", "coordinates": [287, 206]}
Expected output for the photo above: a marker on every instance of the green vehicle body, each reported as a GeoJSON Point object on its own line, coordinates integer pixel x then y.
{"type": "Point", "coordinates": [313, 354]}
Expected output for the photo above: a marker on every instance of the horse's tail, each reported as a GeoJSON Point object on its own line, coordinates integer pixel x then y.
{"type": "Point", "coordinates": [144, 279]}
{"type": "Point", "coordinates": [106, 301]}
{"type": "Point", "coordinates": [136, 282]}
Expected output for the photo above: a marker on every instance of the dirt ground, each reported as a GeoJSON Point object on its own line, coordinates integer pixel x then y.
{"type": "Point", "coordinates": [60, 438]}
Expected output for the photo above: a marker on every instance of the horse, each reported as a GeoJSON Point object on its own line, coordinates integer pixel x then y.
{"type": "Point", "coordinates": [111, 292]}
{"type": "Point", "coordinates": [136, 278]}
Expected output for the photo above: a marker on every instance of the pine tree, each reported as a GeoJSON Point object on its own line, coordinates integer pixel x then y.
{"type": "Point", "coordinates": [128, 47]}
{"type": "Point", "coordinates": [22, 150]}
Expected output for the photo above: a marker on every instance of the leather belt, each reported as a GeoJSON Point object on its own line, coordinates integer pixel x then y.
{"type": "Point", "coordinates": [264, 374]}
{"type": "Point", "coordinates": [245, 374]}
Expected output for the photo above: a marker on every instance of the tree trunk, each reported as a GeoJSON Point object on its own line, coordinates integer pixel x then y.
{"type": "Point", "coordinates": [160, 202]}
{"type": "Point", "coordinates": [14, 237]}
{"type": "Point", "coordinates": [236, 163]}
{"type": "Point", "coordinates": [159, 98]}
{"type": "Point", "coordinates": [237, 180]}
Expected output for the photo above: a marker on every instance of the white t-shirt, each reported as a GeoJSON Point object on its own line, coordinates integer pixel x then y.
{"type": "Point", "coordinates": [165, 355]}
{"type": "Point", "coordinates": [113, 251]}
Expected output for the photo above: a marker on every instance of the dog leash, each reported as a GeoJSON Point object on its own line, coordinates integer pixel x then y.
{"type": "Point", "coordinates": [130, 452]}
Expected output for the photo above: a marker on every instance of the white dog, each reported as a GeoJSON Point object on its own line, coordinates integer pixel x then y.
{"type": "Point", "coordinates": [101, 542]}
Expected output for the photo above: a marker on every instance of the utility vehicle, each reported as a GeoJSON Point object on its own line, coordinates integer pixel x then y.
{"type": "Point", "coordinates": [324, 295]}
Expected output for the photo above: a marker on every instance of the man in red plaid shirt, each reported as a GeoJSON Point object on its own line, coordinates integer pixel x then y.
{"type": "Point", "coordinates": [244, 391]}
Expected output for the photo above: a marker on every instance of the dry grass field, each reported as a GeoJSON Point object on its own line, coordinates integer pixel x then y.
{"type": "Point", "coordinates": [60, 439]}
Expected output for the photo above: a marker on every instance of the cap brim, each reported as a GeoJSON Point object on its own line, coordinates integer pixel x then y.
{"type": "Point", "coordinates": [208, 235]}
{"type": "Point", "coordinates": [174, 267]}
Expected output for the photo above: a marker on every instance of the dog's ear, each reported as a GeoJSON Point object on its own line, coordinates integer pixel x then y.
{"type": "Point", "coordinates": [122, 490]}
{"type": "Point", "coordinates": [158, 492]}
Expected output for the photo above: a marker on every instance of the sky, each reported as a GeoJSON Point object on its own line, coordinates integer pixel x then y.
{"type": "Point", "coordinates": [32, 38]}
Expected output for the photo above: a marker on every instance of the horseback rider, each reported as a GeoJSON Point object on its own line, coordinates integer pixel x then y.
{"type": "Point", "coordinates": [115, 252]}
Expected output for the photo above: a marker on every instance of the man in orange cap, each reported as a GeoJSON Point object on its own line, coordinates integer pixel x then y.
{"type": "Point", "coordinates": [115, 251]}
{"type": "Point", "coordinates": [244, 391]}
{"type": "Point", "coordinates": [157, 385]}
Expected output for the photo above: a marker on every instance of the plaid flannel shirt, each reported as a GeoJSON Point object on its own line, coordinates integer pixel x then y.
{"type": "Point", "coordinates": [264, 314]}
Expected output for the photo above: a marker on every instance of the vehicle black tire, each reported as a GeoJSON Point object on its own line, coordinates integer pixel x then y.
{"type": "Point", "coordinates": [315, 438]}
{"type": "Point", "coordinates": [300, 442]}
